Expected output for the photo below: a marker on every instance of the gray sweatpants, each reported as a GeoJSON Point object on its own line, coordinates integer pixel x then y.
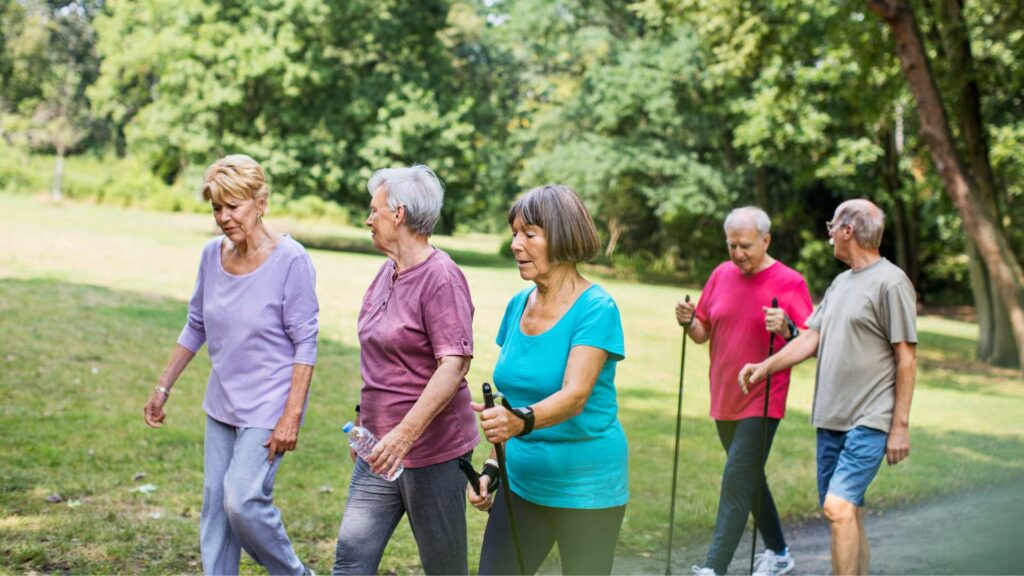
{"type": "Point", "coordinates": [434, 497]}
{"type": "Point", "coordinates": [238, 506]}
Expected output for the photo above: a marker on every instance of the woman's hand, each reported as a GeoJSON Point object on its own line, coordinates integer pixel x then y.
{"type": "Point", "coordinates": [284, 437]}
{"type": "Point", "coordinates": [154, 410]}
{"type": "Point", "coordinates": [498, 423]}
{"type": "Point", "coordinates": [484, 500]}
{"type": "Point", "coordinates": [387, 455]}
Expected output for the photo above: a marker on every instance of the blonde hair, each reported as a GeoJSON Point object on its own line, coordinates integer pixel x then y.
{"type": "Point", "coordinates": [236, 176]}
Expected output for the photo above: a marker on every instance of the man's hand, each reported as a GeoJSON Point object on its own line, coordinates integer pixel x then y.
{"type": "Point", "coordinates": [752, 374]}
{"type": "Point", "coordinates": [775, 321]}
{"type": "Point", "coordinates": [897, 448]}
{"type": "Point", "coordinates": [684, 312]}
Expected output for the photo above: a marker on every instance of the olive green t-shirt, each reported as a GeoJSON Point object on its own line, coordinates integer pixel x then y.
{"type": "Point", "coordinates": [862, 315]}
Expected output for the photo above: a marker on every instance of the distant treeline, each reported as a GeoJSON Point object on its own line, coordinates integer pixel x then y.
{"type": "Point", "coordinates": [663, 114]}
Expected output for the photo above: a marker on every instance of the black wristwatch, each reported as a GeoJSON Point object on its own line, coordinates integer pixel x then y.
{"type": "Point", "coordinates": [526, 415]}
{"type": "Point", "coordinates": [793, 330]}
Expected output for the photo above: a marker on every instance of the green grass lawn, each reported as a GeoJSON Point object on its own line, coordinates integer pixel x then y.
{"type": "Point", "coordinates": [92, 299]}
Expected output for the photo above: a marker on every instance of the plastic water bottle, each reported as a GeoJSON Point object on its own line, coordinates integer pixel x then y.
{"type": "Point", "coordinates": [362, 441]}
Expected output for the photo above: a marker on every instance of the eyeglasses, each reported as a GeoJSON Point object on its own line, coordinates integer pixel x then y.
{"type": "Point", "coordinates": [830, 226]}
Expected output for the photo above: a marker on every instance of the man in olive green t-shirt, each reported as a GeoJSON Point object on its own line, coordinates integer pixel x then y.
{"type": "Point", "coordinates": [864, 335]}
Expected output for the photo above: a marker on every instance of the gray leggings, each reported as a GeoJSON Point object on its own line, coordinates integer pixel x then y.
{"type": "Point", "coordinates": [434, 497]}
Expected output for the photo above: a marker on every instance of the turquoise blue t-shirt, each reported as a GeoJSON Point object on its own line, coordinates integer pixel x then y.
{"type": "Point", "coordinates": [581, 462]}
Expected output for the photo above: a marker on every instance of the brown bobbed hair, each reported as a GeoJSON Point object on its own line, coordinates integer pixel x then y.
{"type": "Point", "coordinates": [558, 210]}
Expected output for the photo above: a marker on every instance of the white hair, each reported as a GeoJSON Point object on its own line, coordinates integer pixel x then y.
{"type": "Point", "coordinates": [417, 188]}
{"type": "Point", "coordinates": [742, 217]}
{"type": "Point", "coordinates": [867, 219]}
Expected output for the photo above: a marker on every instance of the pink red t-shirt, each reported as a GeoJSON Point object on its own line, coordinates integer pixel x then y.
{"type": "Point", "coordinates": [731, 307]}
{"type": "Point", "coordinates": [407, 323]}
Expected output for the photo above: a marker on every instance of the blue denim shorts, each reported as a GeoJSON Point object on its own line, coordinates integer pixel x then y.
{"type": "Point", "coordinates": [848, 462]}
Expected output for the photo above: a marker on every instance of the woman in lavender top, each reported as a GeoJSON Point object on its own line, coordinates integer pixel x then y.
{"type": "Point", "coordinates": [416, 342]}
{"type": "Point", "coordinates": [254, 304]}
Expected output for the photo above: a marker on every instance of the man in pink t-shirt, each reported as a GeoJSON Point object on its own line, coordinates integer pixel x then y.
{"type": "Point", "coordinates": [736, 315]}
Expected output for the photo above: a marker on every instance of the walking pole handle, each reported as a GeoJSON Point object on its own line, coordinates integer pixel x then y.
{"type": "Point", "coordinates": [488, 395]}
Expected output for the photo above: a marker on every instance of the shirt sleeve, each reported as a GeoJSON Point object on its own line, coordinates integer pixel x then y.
{"type": "Point", "coordinates": [301, 309]}
{"type": "Point", "coordinates": [193, 335]}
{"type": "Point", "coordinates": [899, 313]}
{"type": "Point", "coordinates": [448, 319]}
{"type": "Point", "coordinates": [601, 327]}
{"type": "Point", "coordinates": [800, 306]}
{"type": "Point", "coordinates": [814, 322]}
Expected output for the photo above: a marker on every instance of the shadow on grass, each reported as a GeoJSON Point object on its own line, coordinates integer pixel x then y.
{"type": "Point", "coordinates": [947, 362]}
{"type": "Point", "coordinates": [72, 386]}
{"type": "Point", "coordinates": [365, 246]}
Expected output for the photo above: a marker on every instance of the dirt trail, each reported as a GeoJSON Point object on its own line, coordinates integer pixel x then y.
{"type": "Point", "coordinates": [975, 532]}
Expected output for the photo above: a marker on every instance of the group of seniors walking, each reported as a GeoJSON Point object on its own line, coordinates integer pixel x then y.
{"type": "Point", "coordinates": [565, 452]}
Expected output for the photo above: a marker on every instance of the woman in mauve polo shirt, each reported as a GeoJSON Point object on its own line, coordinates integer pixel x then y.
{"type": "Point", "coordinates": [416, 343]}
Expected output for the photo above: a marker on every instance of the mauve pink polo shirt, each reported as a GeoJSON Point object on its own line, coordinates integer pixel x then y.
{"type": "Point", "coordinates": [406, 325]}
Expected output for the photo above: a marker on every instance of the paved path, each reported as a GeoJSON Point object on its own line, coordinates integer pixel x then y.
{"type": "Point", "coordinates": [979, 532]}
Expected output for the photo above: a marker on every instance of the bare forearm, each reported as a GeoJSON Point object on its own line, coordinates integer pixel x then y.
{"type": "Point", "coordinates": [698, 332]}
{"type": "Point", "coordinates": [302, 375]}
{"type": "Point", "coordinates": [437, 394]}
{"type": "Point", "coordinates": [796, 351]}
{"type": "Point", "coordinates": [180, 358]}
{"type": "Point", "coordinates": [906, 375]}
{"type": "Point", "coordinates": [581, 372]}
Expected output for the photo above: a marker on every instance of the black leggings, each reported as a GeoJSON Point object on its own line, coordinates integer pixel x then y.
{"type": "Point", "coordinates": [586, 538]}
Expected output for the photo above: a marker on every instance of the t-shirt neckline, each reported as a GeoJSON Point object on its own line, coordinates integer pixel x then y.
{"type": "Point", "coordinates": [273, 253]}
{"type": "Point", "coordinates": [519, 320]}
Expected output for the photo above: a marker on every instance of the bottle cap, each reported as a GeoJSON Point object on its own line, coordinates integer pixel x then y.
{"type": "Point", "coordinates": [347, 427]}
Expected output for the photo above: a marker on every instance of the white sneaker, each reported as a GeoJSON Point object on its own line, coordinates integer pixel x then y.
{"type": "Point", "coordinates": [702, 571]}
{"type": "Point", "coordinates": [768, 563]}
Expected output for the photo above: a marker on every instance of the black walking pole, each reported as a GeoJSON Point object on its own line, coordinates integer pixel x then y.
{"type": "Point", "coordinates": [499, 450]}
{"type": "Point", "coordinates": [764, 443]}
{"type": "Point", "coordinates": [675, 459]}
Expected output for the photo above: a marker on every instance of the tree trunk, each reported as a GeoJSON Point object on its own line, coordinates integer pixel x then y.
{"type": "Point", "coordinates": [989, 237]}
{"type": "Point", "coordinates": [1000, 348]}
{"type": "Point", "coordinates": [614, 233]}
{"type": "Point", "coordinates": [56, 193]}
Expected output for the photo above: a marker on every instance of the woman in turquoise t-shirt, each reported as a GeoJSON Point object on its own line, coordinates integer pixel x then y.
{"type": "Point", "coordinates": [565, 449]}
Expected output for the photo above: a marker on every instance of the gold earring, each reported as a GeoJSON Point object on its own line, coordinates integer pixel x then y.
{"type": "Point", "coordinates": [259, 217]}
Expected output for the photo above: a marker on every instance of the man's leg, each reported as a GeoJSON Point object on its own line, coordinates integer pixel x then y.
{"type": "Point", "coordinates": [864, 562]}
{"type": "Point", "coordinates": [742, 441]}
{"type": "Point", "coordinates": [846, 533]}
{"type": "Point", "coordinates": [372, 511]}
{"type": "Point", "coordinates": [860, 453]}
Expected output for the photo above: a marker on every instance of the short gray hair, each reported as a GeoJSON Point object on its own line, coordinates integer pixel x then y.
{"type": "Point", "coordinates": [867, 219]}
{"type": "Point", "coordinates": [417, 188]}
{"type": "Point", "coordinates": [738, 217]}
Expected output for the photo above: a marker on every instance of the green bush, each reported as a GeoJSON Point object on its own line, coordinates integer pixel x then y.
{"type": "Point", "coordinates": [314, 207]}
{"type": "Point", "coordinates": [22, 173]}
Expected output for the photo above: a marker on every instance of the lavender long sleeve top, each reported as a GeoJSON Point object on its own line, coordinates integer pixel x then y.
{"type": "Point", "coordinates": [258, 326]}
